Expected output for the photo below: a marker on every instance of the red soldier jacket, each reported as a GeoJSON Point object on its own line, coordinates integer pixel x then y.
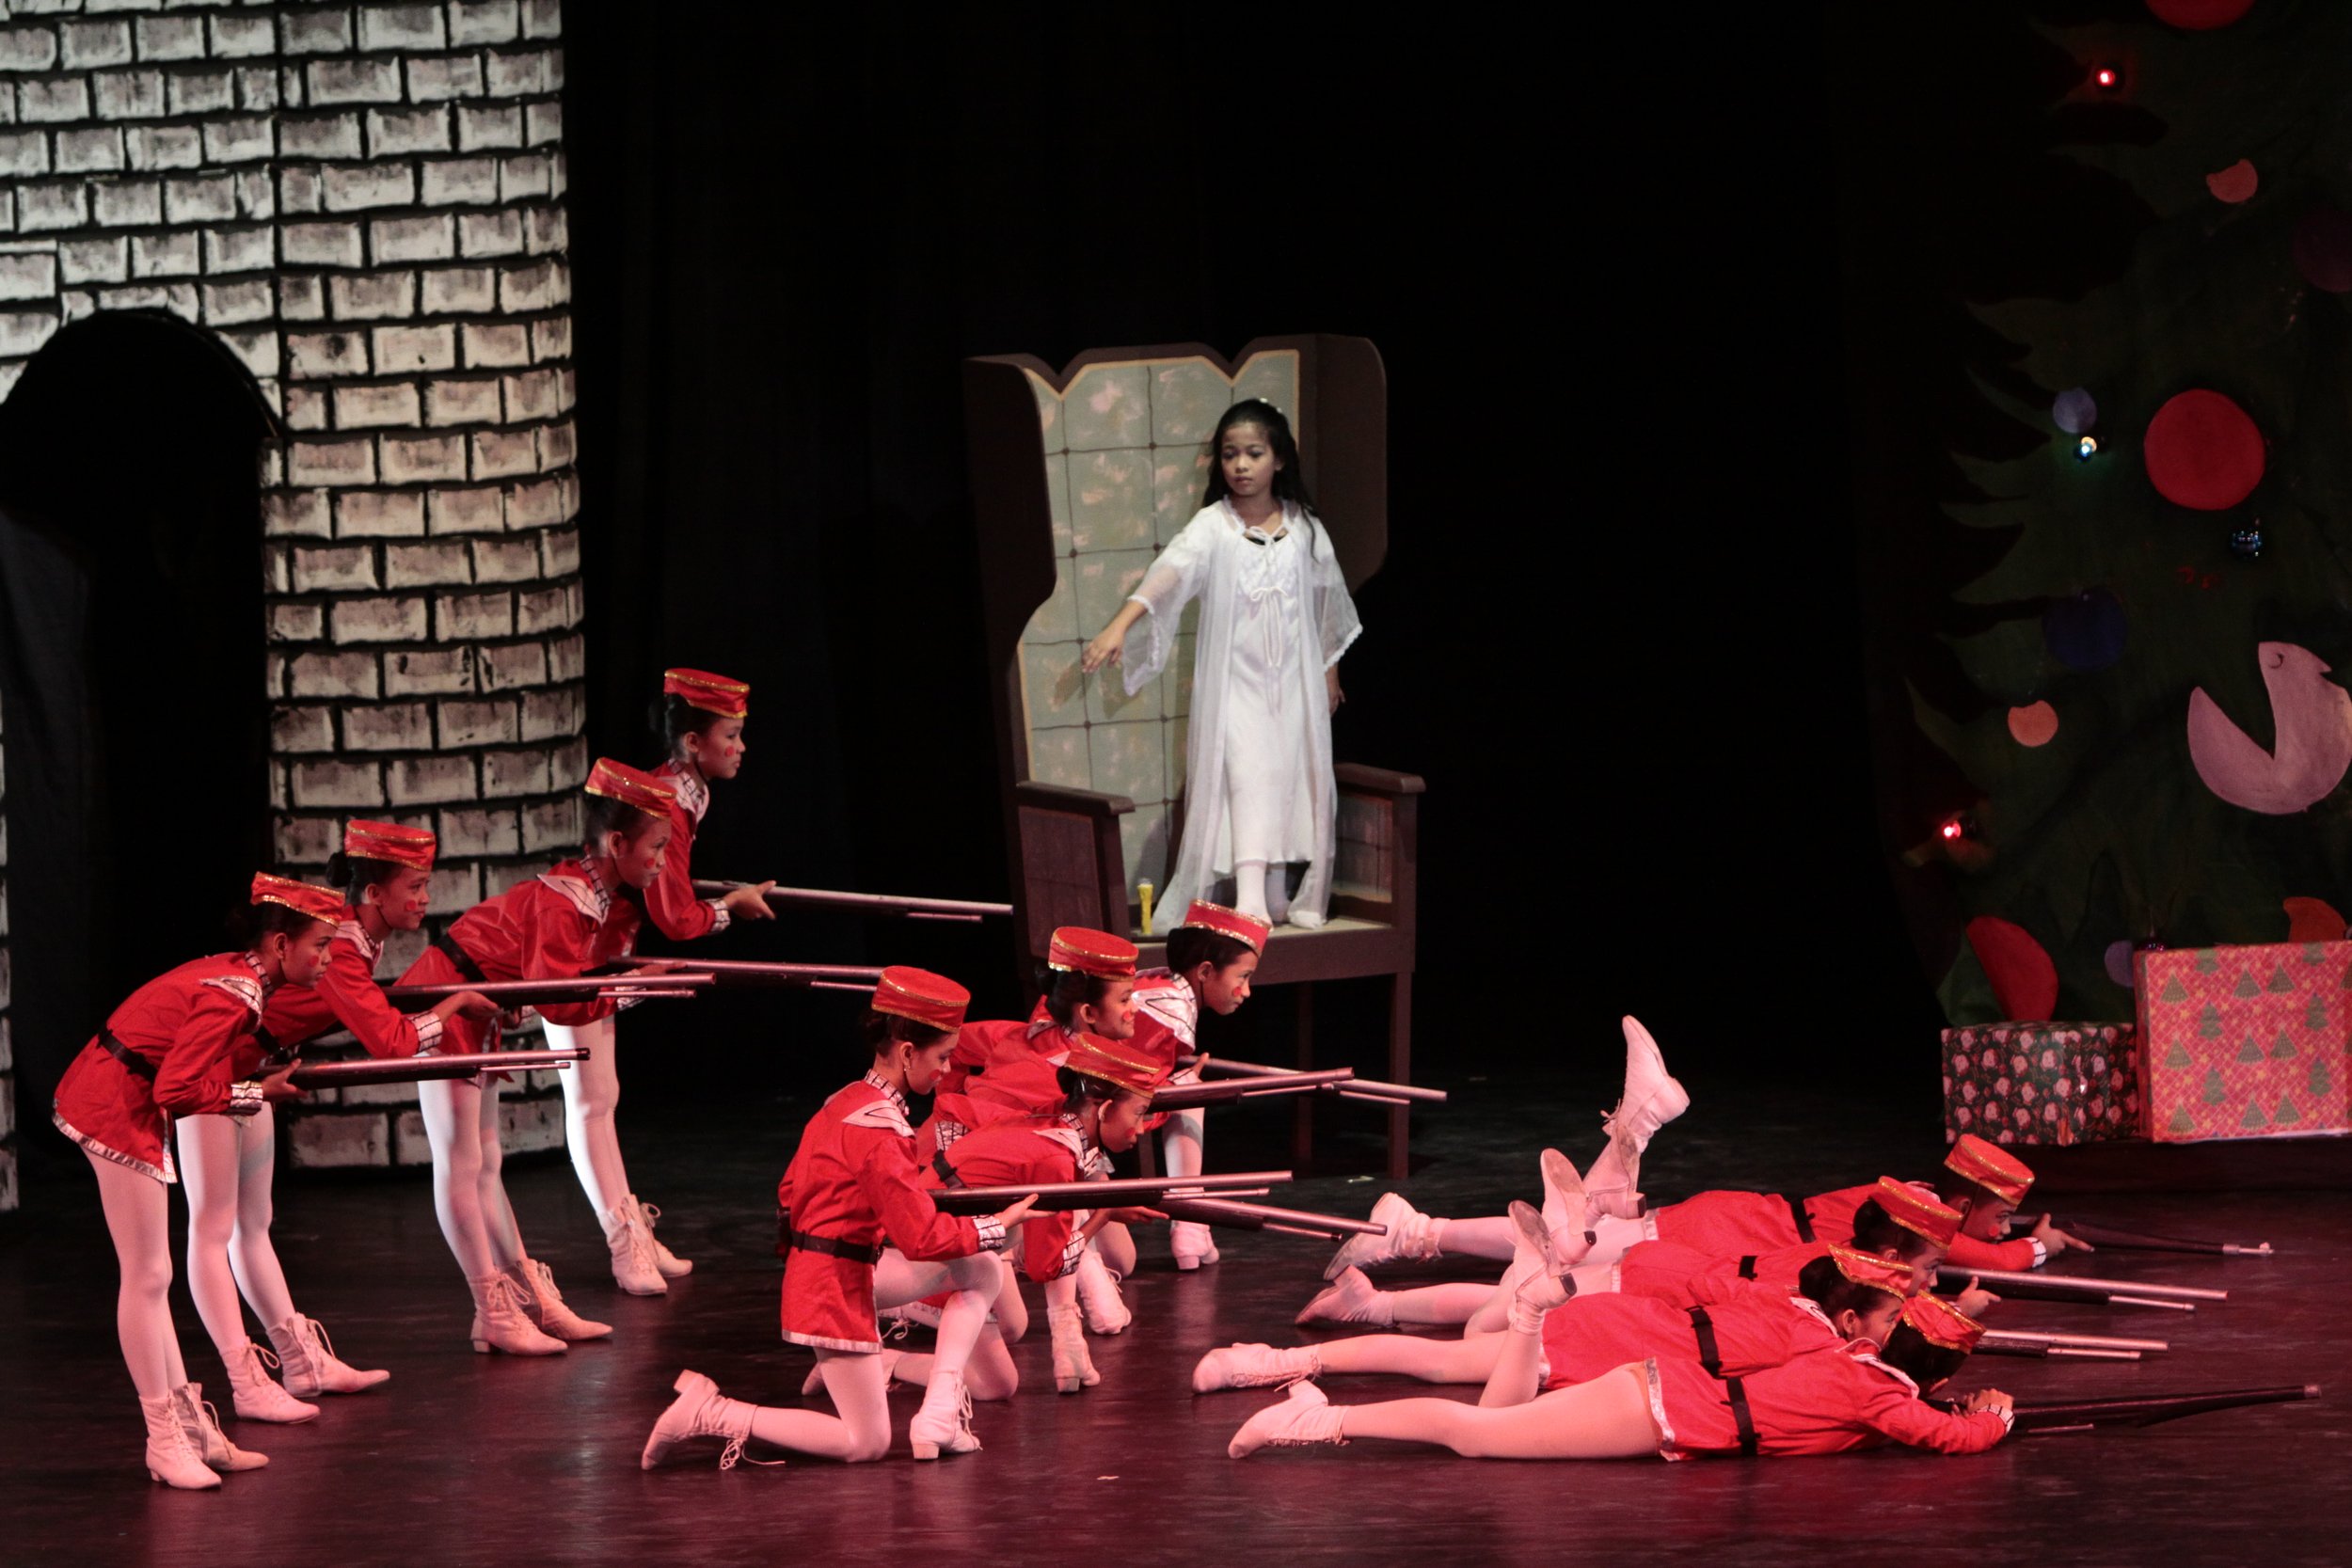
{"type": "Point", "coordinates": [669, 902]}
{"type": "Point", "coordinates": [983, 1047]}
{"type": "Point", "coordinates": [1684, 1276]}
{"type": "Point", "coordinates": [1025, 1153]}
{"type": "Point", "coordinates": [1737, 1327]}
{"type": "Point", "coordinates": [852, 1186]}
{"type": "Point", "coordinates": [1825, 1401]}
{"type": "Point", "coordinates": [1729, 1223]}
{"type": "Point", "coordinates": [167, 1052]}
{"type": "Point", "coordinates": [347, 995]}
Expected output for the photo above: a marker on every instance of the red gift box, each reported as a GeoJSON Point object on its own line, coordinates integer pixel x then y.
{"type": "Point", "coordinates": [2246, 1042]}
{"type": "Point", "coordinates": [2042, 1083]}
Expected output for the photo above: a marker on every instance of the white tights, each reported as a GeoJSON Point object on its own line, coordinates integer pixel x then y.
{"type": "Point", "coordinates": [987, 1365]}
{"type": "Point", "coordinates": [1492, 1237]}
{"type": "Point", "coordinates": [227, 1164]}
{"type": "Point", "coordinates": [461, 1122]}
{"type": "Point", "coordinates": [592, 1092]}
{"type": "Point", "coordinates": [856, 1381]}
{"type": "Point", "coordinates": [139, 1218]}
{"type": "Point", "coordinates": [1606, 1418]}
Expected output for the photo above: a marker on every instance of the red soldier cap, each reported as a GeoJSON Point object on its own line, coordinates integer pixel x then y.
{"type": "Point", "coordinates": [1095, 1057]}
{"type": "Point", "coordinates": [1228, 922]}
{"type": "Point", "coordinates": [319, 903]}
{"type": "Point", "coordinates": [618, 781]}
{"type": "Point", "coordinates": [1939, 1323]}
{"type": "Point", "coordinates": [918, 993]}
{"type": "Point", "coordinates": [711, 694]}
{"type": "Point", "coordinates": [389, 841]}
{"type": "Point", "coordinates": [1096, 953]}
{"type": "Point", "coordinates": [1918, 1213]}
{"type": "Point", "coordinates": [1991, 1167]}
{"type": "Point", "coordinates": [1879, 1274]}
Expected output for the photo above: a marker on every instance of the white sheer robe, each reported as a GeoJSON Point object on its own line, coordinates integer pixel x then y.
{"type": "Point", "coordinates": [1275, 614]}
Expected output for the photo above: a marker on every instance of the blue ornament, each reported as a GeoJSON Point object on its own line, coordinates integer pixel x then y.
{"type": "Point", "coordinates": [2074, 412]}
{"type": "Point", "coordinates": [2247, 543]}
{"type": "Point", "coordinates": [2085, 631]}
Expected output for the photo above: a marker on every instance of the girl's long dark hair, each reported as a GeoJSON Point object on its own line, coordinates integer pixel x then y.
{"type": "Point", "coordinates": [1290, 481]}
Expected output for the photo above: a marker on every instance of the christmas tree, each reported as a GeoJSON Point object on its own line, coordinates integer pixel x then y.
{"type": "Point", "coordinates": [2182, 526]}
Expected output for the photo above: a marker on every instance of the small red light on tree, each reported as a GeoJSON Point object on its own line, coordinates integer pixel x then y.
{"type": "Point", "coordinates": [2108, 77]}
{"type": "Point", "coordinates": [1952, 829]}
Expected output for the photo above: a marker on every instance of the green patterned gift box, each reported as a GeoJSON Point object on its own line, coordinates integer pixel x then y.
{"type": "Point", "coordinates": [2042, 1083]}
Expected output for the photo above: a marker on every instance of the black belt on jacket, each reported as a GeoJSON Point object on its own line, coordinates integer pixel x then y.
{"type": "Point", "coordinates": [1710, 1353]}
{"type": "Point", "coordinates": [1742, 1417]}
{"type": "Point", "coordinates": [124, 1054]}
{"type": "Point", "coordinates": [273, 1054]}
{"type": "Point", "coordinates": [458, 955]}
{"type": "Point", "coordinates": [1747, 1266]}
{"type": "Point", "coordinates": [947, 1172]}
{"type": "Point", "coordinates": [1805, 1221]}
{"type": "Point", "coordinates": [855, 1251]}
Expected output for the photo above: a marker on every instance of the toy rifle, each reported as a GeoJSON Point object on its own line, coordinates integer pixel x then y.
{"type": "Point", "coordinates": [2060, 1287]}
{"type": "Point", "coordinates": [530, 993]}
{"type": "Point", "coordinates": [2065, 1347]}
{"type": "Point", "coordinates": [409, 1070]}
{"type": "Point", "coordinates": [1231, 1091]}
{"type": "Point", "coordinates": [2146, 1410]}
{"type": "Point", "coordinates": [746, 974]}
{"type": "Point", "coordinates": [1355, 1088]}
{"type": "Point", "coordinates": [1259, 1217]}
{"type": "Point", "coordinates": [1145, 1189]}
{"type": "Point", "coordinates": [2132, 1240]}
{"type": "Point", "coordinates": [870, 903]}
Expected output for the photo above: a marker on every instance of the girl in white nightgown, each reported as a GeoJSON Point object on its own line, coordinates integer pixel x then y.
{"type": "Point", "coordinates": [1274, 618]}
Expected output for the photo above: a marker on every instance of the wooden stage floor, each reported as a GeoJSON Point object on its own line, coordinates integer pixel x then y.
{"type": "Point", "coordinates": [464, 1458]}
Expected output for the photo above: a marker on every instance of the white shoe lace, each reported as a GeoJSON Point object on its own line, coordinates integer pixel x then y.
{"type": "Point", "coordinates": [310, 1334]}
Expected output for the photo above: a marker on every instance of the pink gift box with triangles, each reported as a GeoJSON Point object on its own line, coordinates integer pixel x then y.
{"type": "Point", "coordinates": [2246, 1042]}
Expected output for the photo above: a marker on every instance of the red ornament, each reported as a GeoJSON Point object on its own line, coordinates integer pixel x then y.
{"type": "Point", "coordinates": [2199, 16]}
{"type": "Point", "coordinates": [2024, 981]}
{"type": "Point", "coordinates": [2203, 451]}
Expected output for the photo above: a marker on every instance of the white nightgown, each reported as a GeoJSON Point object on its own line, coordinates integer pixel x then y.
{"type": "Point", "coordinates": [1275, 614]}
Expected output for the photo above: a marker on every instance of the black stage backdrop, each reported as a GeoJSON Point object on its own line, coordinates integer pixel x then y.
{"type": "Point", "coordinates": [1618, 629]}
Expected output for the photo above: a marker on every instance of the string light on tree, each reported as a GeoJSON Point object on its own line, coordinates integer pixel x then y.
{"type": "Point", "coordinates": [2086, 448]}
{"type": "Point", "coordinates": [2247, 543]}
{"type": "Point", "coordinates": [2107, 78]}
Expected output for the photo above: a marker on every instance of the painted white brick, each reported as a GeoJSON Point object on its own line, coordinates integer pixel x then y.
{"type": "Point", "coordinates": [417, 27]}
{"type": "Point", "coordinates": [454, 291]}
{"type": "Point", "coordinates": [104, 258]}
{"type": "Point", "coordinates": [332, 463]}
{"type": "Point", "coordinates": [241, 250]}
{"type": "Point", "coordinates": [489, 345]}
{"type": "Point", "coordinates": [315, 30]}
{"type": "Point", "coordinates": [339, 566]}
{"type": "Point", "coordinates": [319, 136]}
{"type": "Point", "coordinates": [201, 198]}
{"type": "Point", "coordinates": [428, 673]}
{"type": "Point", "coordinates": [242, 36]}
{"type": "Point", "coordinates": [170, 38]}
{"type": "Point", "coordinates": [320, 1140]}
{"type": "Point", "coordinates": [552, 827]}
{"type": "Point", "coordinates": [245, 139]}
{"type": "Point", "coordinates": [322, 784]}
{"type": "Point", "coordinates": [201, 92]}
{"type": "Point", "coordinates": [297, 623]}
{"type": "Point", "coordinates": [401, 349]}
{"type": "Point", "coordinates": [506, 774]}
{"type": "Point", "coordinates": [380, 514]}
{"type": "Point", "coordinates": [410, 460]}
{"type": "Point", "coordinates": [468, 617]}
{"type": "Point", "coordinates": [497, 453]}
{"type": "Point", "coordinates": [298, 730]}
{"type": "Point", "coordinates": [372, 296]}
{"type": "Point", "coordinates": [478, 126]}
{"type": "Point", "coordinates": [96, 150]}
{"type": "Point", "coordinates": [353, 81]}
{"type": "Point", "coordinates": [430, 781]}
{"type": "Point", "coordinates": [327, 353]}
{"type": "Point", "coordinates": [400, 132]}
{"type": "Point", "coordinates": [399, 727]}
{"type": "Point", "coordinates": [375, 407]}
{"type": "Point", "coordinates": [470, 510]}
{"type": "Point", "coordinates": [437, 81]}
{"type": "Point", "coordinates": [121, 95]}
{"type": "Point", "coordinates": [55, 102]}
{"type": "Point", "coordinates": [352, 188]}
{"type": "Point", "coordinates": [321, 244]}
{"type": "Point", "coordinates": [430, 565]}
{"type": "Point", "coordinates": [449, 403]}
{"type": "Point", "coordinates": [519, 664]}
{"type": "Point", "coordinates": [482, 21]}
{"type": "Point", "coordinates": [165, 255]}
{"type": "Point", "coordinates": [426, 237]}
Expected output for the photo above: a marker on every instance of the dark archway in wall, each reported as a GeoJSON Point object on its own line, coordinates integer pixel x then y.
{"type": "Point", "coordinates": [131, 667]}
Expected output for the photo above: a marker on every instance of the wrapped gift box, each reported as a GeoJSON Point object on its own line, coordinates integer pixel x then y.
{"type": "Point", "coordinates": [2246, 1042]}
{"type": "Point", "coordinates": [2042, 1083]}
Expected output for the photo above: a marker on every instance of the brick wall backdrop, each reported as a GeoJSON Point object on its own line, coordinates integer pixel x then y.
{"type": "Point", "coordinates": [366, 203]}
